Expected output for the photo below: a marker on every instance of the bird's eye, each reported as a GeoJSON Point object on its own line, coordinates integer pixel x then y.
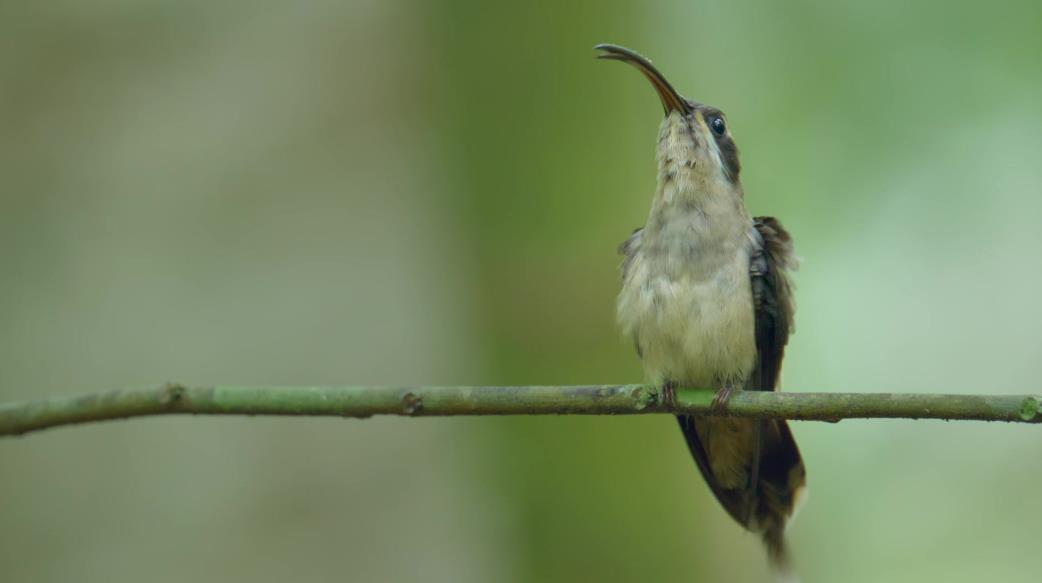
{"type": "Point", "coordinates": [718, 126]}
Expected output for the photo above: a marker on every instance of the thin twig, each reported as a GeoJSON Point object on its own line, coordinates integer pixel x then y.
{"type": "Point", "coordinates": [173, 399]}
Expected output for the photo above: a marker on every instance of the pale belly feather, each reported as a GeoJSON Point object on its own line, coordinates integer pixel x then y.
{"type": "Point", "coordinates": [693, 325]}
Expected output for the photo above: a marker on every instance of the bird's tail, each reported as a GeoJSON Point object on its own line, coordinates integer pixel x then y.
{"type": "Point", "coordinates": [778, 557]}
{"type": "Point", "coordinates": [755, 470]}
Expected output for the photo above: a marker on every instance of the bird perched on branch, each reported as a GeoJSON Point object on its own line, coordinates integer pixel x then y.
{"type": "Point", "coordinates": [707, 301]}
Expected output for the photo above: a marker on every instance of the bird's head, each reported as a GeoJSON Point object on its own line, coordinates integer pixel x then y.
{"type": "Point", "coordinates": [693, 134]}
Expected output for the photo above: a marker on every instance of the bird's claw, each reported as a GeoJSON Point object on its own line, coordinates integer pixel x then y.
{"type": "Point", "coordinates": [669, 395]}
{"type": "Point", "coordinates": [721, 398]}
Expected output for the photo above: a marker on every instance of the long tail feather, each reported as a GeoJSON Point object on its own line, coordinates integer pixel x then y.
{"type": "Point", "coordinates": [765, 500]}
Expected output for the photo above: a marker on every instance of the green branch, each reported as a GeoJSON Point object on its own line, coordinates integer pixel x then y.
{"type": "Point", "coordinates": [171, 399]}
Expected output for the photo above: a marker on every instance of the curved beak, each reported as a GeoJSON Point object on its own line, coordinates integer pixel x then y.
{"type": "Point", "coordinates": [671, 100]}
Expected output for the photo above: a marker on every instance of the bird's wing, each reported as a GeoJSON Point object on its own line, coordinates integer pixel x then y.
{"type": "Point", "coordinates": [628, 249]}
{"type": "Point", "coordinates": [773, 311]}
{"type": "Point", "coordinates": [777, 472]}
{"type": "Point", "coordinates": [772, 300]}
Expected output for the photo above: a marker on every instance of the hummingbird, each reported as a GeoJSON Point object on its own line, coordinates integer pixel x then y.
{"type": "Point", "coordinates": [707, 300]}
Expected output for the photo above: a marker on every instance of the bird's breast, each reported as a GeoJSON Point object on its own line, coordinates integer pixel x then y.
{"type": "Point", "coordinates": [687, 302]}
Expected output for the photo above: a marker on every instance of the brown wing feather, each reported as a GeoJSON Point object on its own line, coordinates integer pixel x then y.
{"type": "Point", "coordinates": [772, 300]}
{"type": "Point", "coordinates": [779, 472]}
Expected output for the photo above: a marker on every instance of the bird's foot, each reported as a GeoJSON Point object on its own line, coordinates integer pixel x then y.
{"type": "Point", "coordinates": [721, 398]}
{"type": "Point", "coordinates": [669, 395]}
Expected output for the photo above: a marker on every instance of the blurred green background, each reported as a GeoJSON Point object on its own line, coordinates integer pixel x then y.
{"type": "Point", "coordinates": [431, 192]}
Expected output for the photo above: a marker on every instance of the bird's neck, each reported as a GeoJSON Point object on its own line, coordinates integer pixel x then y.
{"type": "Point", "coordinates": [695, 206]}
